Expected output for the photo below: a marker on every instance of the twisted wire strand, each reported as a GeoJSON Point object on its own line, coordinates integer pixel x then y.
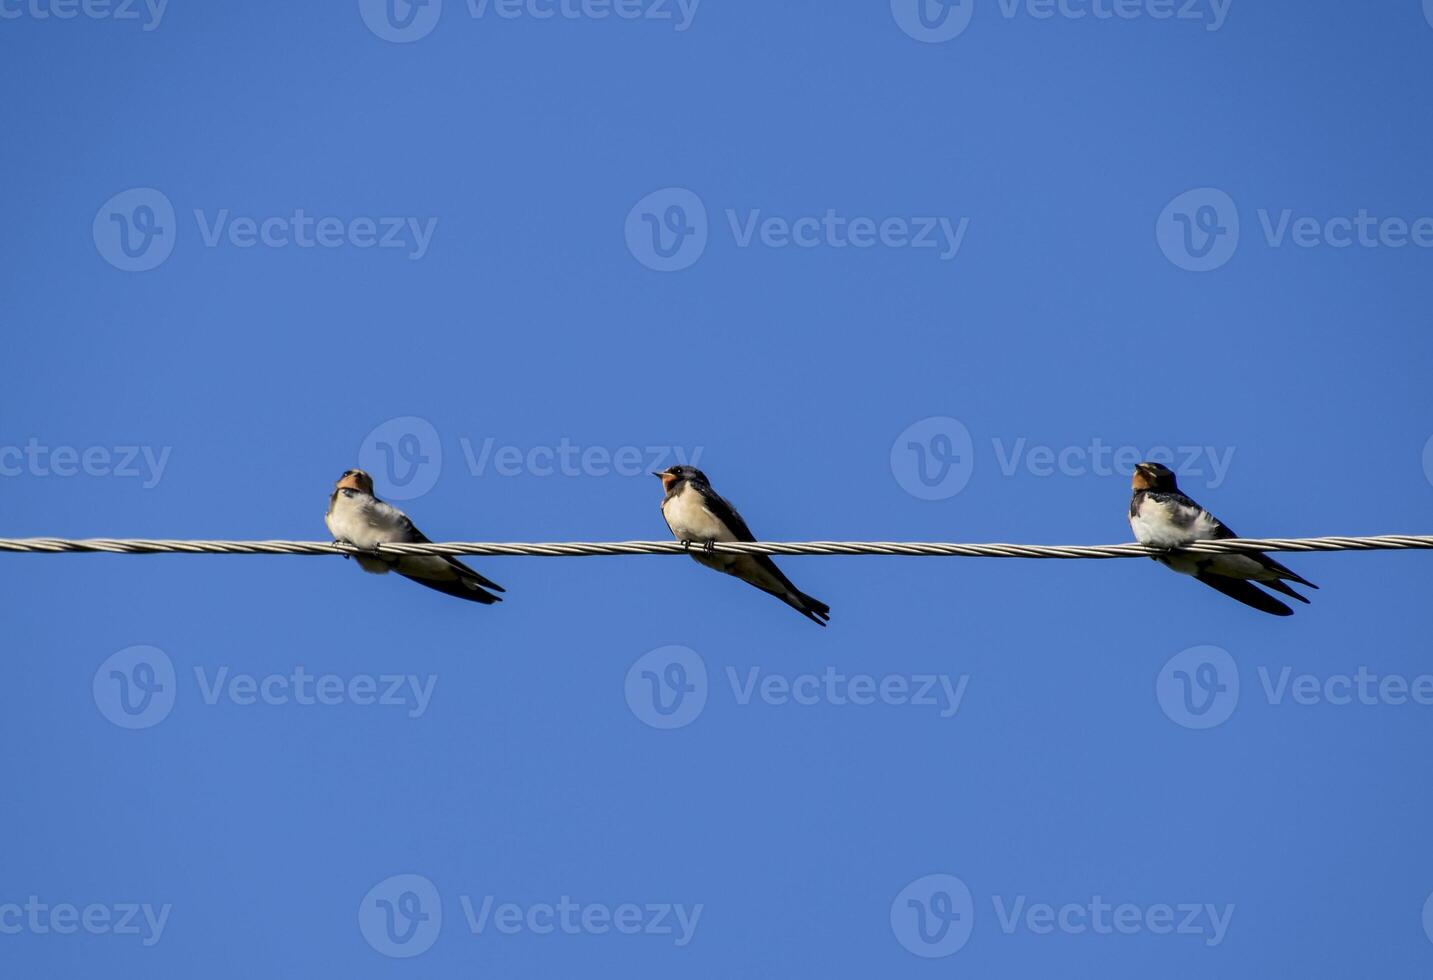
{"type": "Point", "coordinates": [582, 549]}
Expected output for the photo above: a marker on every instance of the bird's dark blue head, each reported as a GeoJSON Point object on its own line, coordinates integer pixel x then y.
{"type": "Point", "coordinates": [673, 475]}
{"type": "Point", "coordinates": [1154, 476]}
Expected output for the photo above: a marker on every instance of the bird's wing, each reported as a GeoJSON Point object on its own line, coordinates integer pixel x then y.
{"type": "Point", "coordinates": [1223, 532]}
{"type": "Point", "coordinates": [726, 513]}
{"type": "Point", "coordinates": [409, 534]}
{"type": "Point", "coordinates": [1246, 592]}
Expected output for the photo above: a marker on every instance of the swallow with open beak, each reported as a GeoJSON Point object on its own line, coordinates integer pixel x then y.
{"type": "Point", "coordinates": [1163, 517]}
{"type": "Point", "coordinates": [355, 516]}
{"type": "Point", "coordinates": [695, 513]}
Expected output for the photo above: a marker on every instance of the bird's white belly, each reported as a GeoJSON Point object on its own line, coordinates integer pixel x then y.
{"type": "Point", "coordinates": [689, 519]}
{"type": "Point", "coordinates": [1158, 526]}
{"type": "Point", "coordinates": [360, 526]}
{"type": "Point", "coordinates": [1158, 532]}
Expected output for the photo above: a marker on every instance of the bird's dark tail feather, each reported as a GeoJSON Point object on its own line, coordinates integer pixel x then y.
{"type": "Point", "coordinates": [1283, 570]}
{"type": "Point", "coordinates": [1278, 586]}
{"type": "Point", "coordinates": [482, 580]}
{"type": "Point", "coordinates": [457, 589]}
{"type": "Point", "coordinates": [1247, 593]}
{"type": "Point", "coordinates": [813, 609]}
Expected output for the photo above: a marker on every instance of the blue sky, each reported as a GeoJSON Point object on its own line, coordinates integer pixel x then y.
{"type": "Point", "coordinates": [882, 277]}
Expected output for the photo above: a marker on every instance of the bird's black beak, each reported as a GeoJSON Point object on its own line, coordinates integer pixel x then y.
{"type": "Point", "coordinates": [655, 473]}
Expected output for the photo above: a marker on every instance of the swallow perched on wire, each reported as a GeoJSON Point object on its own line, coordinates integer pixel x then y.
{"type": "Point", "coordinates": [1163, 517]}
{"type": "Point", "coordinates": [695, 513]}
{"type": "Point", "coordinates": [355, 516]}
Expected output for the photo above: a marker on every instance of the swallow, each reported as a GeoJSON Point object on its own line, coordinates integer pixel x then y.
{"type": "Point", "coordinates": [696, 513]}
{"type": "Point", "coordinates": [1163, 517]}
{"type": "Point", "coordinates": [355, 516]}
